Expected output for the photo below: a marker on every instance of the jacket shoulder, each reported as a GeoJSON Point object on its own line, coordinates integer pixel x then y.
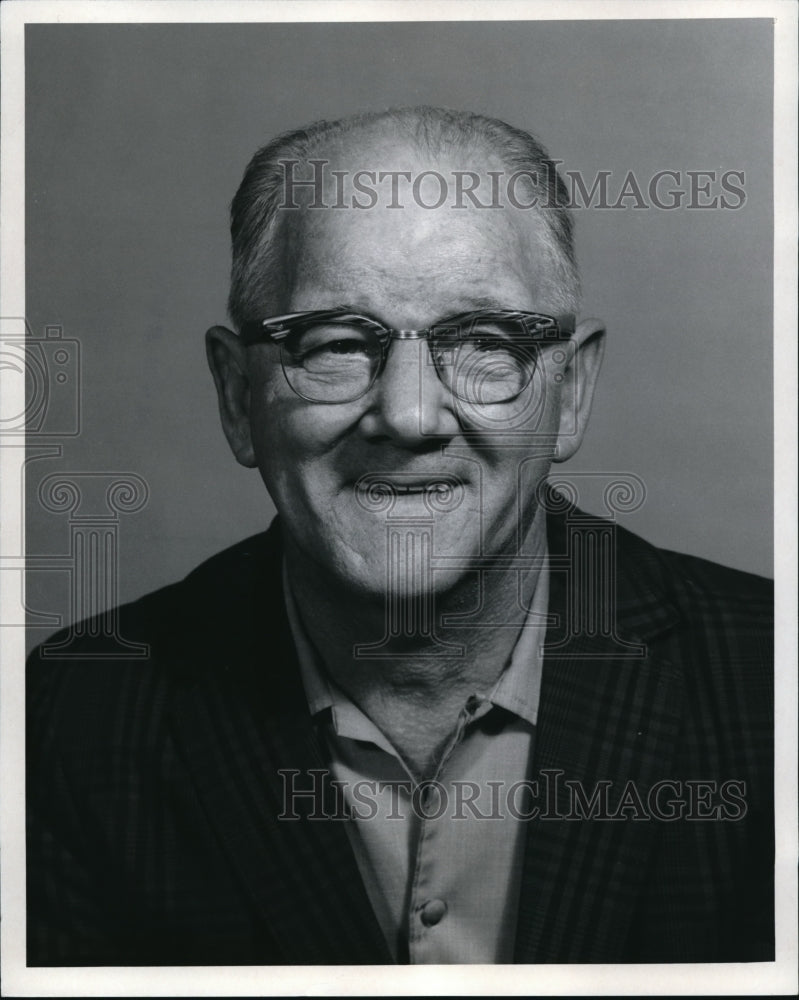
{"type": "Point", "coordinates": [154, 618]}
{"type": "Point", "coordinates": [93, 667]}
{"type": "Point", "coordinates": [737, 588]}
{"type": "Point", "coordinates": [698, 588]}
{"type": "Point", "coordinates": [717, 623]}
{"type": "Point", "coordinates": [729, 613]}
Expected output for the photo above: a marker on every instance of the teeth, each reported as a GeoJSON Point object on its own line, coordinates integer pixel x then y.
{"type": "Point", "coordinates": [399, 488]}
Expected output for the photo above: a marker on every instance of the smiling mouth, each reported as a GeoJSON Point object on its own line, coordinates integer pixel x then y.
{"type": "Point", "coordinates": [441, 491]}
{"type": "Point", "coordinates": [402, 489]}
{"type": "Point", "coordinates": [438, 485]}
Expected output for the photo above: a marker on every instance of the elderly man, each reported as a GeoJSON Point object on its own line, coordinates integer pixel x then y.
{"type": "Point", "coordinates": [435, 713]}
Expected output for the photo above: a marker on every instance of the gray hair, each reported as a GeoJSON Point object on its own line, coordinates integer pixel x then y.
{"type": "Point", "coordinates": [254, 210]}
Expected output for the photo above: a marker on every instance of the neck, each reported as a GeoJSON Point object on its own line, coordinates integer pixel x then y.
{"type": "Point", "coordinates": [413, 681]}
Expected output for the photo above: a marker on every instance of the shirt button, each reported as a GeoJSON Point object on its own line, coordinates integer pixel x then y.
{"type": "Point", "coordinates": [432, 912]}
{"type": "Point", "coordinates": [472, 703]}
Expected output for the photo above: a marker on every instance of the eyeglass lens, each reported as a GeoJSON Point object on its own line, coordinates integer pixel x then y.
{"type": "Point", "coordinates": [491, 362]}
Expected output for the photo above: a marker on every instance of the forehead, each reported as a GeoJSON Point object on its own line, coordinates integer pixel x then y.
{"type": "Point", "coordinates": [405, 251]}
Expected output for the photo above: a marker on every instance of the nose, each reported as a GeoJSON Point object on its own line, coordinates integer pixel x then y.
{"type": "Point", "coordinates": [409, 403]}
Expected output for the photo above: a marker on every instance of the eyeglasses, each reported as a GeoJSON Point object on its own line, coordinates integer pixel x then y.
{"type": "Point", "coordinates": [336, 356]}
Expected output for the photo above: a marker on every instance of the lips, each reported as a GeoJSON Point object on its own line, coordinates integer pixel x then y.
{"type": "Point", "coordinates": [377, 487]}
{"type": "Point", "coordinates": [401, 488]}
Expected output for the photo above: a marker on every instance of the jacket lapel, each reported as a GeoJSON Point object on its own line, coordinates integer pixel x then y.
{"type": "Point", "coordinates": [247, 736]}
{"type": "Point", "coordinates": [609, 717]}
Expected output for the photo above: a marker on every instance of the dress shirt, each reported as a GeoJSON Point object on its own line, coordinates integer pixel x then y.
{"type": "Point", "coordinates": [441, 859]}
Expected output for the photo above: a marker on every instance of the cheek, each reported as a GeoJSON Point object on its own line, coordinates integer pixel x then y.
{"type": "Point", "coordinates": [274, 436]}
{"type": "Point", "coordinates": [295, 442]}
{"type": "Point", "coordinates": [283, 447]}
{"type": "Point", "coordinates": [273, 406]}
{"type": "Point", "coordinates": [529, 420]}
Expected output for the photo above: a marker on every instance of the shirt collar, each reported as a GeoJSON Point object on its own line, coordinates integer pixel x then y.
{"type": "Point", "coordinates": [321, 690]}
{"type": "Point", "coordinates": [518, 687]}
{"type": "Point", "coordinates": [318, 687]}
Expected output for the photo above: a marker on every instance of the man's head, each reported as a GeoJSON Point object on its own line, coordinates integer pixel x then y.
{"type": "Point", "coordinates": [408, 219]}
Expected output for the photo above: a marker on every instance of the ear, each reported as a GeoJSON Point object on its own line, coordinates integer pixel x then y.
{"type": "Point", "coordinates": [586, 348]}
{"type": "Point", "coordinates": [228, 364]}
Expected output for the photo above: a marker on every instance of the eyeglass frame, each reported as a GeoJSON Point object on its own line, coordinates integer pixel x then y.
{"type": "Point", "coordinates": [275, 329]}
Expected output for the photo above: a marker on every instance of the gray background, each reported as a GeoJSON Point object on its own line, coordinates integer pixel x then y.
{"type": "Point", "coordinates": [137, 137]}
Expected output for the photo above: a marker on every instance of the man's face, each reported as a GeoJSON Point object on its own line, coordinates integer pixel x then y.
{"type": "Point", "coordinates": [408, 268]}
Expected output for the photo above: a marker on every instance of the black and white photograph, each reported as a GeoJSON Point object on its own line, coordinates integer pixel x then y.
{"type": "Point", "coordinates": [398, 450]}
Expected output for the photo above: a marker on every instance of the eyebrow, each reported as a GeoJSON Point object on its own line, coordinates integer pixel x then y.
{"type": "Point", "coordinates": [480, 302]}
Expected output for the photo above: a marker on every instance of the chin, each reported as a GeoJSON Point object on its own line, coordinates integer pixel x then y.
{"type": "Point", "coordinates": [403, 568]}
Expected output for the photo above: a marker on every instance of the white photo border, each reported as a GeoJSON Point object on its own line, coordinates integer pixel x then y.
{"type": "Point", "coordinates": [775, 978]}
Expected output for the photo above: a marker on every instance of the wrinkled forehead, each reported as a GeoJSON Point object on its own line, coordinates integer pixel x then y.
{"type": "Point", "coordinates": [398, 215]}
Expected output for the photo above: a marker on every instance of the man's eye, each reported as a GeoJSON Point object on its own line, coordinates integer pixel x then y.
{"type": "Point", "coordinates": [340, 347]}
{"type": "Point", "coordinates": [330, 340]}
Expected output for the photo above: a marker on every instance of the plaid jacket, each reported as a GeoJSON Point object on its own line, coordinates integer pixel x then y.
{"type": "Point", "coordinates": [154, 784]}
